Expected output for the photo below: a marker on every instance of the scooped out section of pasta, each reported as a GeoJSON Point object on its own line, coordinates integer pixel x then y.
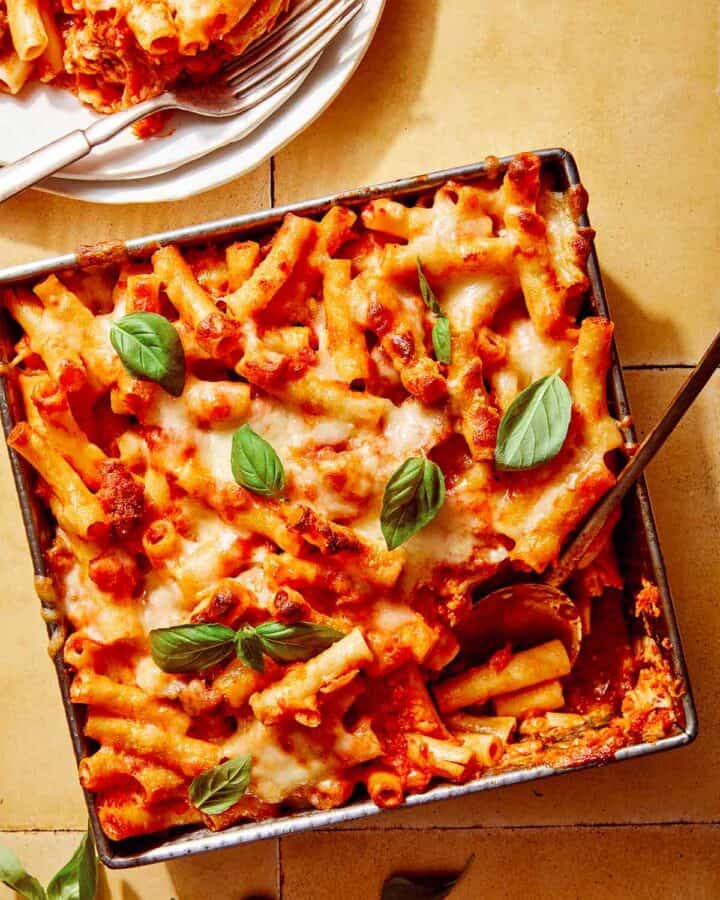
{"type": "Point", "coordinates": [282, 468]}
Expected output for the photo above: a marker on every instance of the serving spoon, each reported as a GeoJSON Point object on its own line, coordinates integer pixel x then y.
{"type": "Point", "coordinates": [508, 610]}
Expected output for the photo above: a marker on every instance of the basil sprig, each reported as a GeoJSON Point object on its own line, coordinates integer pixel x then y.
{"type": "Point", "coordinates": [221, 787]}
{"type": "Point", "coordinates": [441, 329]}
{"type": "Point", "coordinates": [422, 887]}
{"type": "Point", "coordinates": [442, 341]}
{"type": "Point", "coordinates": [535, 425]}
{"type": "Point", "coordinates": [77, 880]}
{"type": "Point", "coordinates": [291, 643]}
{"type": "Point", "coordinates": [412, 498]}
{"type": "Point", "coordinates": [150, 347]}
{"type": "Point", "coordinates": [194, 648]}
{"type": "Point", "coordinates": [13, 874]}
{"type": "Point", "coordinates": [426, 291]}
{"type": "Point", "coordinates": [255, 464]}
{"type": "Point", "coordinates": [191, 648]}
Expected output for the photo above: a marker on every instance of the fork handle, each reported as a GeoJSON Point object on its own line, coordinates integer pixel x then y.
{"type": "Point", "coordinates": [644, 453]}
{"type": "Point", "coordinates": [37, 165]}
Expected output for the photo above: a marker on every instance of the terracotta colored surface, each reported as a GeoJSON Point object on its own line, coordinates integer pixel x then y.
{"type": "Point", "coordinates": [227, 874]}
{"type": "Point", "coordinates": [630, 89]}
{"type": "Point", "coordinates": [532, 863]}
{"type": "Point", "coordinates": [35, 225]}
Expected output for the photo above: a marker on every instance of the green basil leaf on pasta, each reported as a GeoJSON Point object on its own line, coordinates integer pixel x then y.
{"type": "Point", "coordinates": [221, 787]}
{"type": "Point", "coordinates": [442, 341]}
{"type": "Point", "coordinates": [255, 464]}
{"type": "Point", "coordinates": [191, 648]}
{"type": "Point", "coordinates": [535, 425]}
{"type": "Point", "coordinates": [295, 642]}
{"type": "Point", "coordinates": [441, 328]}
{"type": "Point", "coordinates": [13, 874]}
{"type": "Point", "coordinates": [413, 496]}
{"type": "Point", "coordinates": [249, 648]}
{"type": "Point", "coordinates": [150, 347]}
{"type": "Point", "coordinates": [422, 887]}
{"type": "Point", "coordinates": [426, 291]}
{"type": "Point", "coordinates": [77, 880]}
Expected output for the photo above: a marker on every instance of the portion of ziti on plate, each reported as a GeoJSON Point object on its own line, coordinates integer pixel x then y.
{"type": "Point", "coordinates": [113, 55]}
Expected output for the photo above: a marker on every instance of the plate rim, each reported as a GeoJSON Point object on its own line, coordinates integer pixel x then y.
{"type": "Point", "coordinates": [188, 179]}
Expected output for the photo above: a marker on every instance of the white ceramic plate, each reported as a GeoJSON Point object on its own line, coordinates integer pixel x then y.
{"type": "Point", "coordinates": [110, 173]}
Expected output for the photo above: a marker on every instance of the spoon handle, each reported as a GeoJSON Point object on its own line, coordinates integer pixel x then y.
{"type": "Point", "coordinates": [680, 404]}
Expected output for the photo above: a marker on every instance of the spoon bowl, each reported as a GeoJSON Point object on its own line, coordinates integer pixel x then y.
{"type": "Point", "coordinates": [522, 615]}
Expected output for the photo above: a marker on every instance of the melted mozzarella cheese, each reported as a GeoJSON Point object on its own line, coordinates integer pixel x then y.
{"type": "Point", "coordinates": [96, 613]}
{"type": "Point", "coordinates": [281, 764]}
{"type": "Point", "coordinates": [289, 430]}
{"type": "Point", "coordinates": [391, 617]}
{"type": "Point", "coordinates": [164, 604]}
{"type": "Point", "coordinates": [254, 580]}
{"type": "Point", "coordinates": [469, 300]}
{"type": "Point", "coordinates": [532, 355]}
{"type": "Point", "coordinates": [324, 362]}
{"type": "Point", "coordinates": [77, 604]}
{"type": "Point", "coordinates": [154, 681]}
{"type": "Point", "coordinates": [448, 539]}
{"type": "Point", "coordinates": [214, 452]}
{"type": "Point", "coordinates": [171, 415]}
{"type": "Point", "coordinates": [291, 434]}
{"type": "Point", "coordinates": [411, 428]}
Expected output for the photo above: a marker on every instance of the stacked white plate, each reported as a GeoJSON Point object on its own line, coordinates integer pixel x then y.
{"type": "Point", "coordinates": [199, 153]}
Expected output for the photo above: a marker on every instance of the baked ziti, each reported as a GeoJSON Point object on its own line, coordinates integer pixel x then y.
{"type": "Point", "coordinates": [113, 55]}
{"type": "Point", "coordinates": [282, 469]}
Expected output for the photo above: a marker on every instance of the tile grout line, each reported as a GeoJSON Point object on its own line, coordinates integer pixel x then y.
{"type": "Point", "coordinates": [9, 830]}
{"type": "Point", "coordinates": [660, 367]}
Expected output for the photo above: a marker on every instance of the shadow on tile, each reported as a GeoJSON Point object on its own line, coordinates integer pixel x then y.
{"type": "Point", "coordinates": [385, 86]}
{"type": "Point", "coordinates": [636, 330]}
{"type": "Point", "coordinates": [557, 864]}
{"type": "Point", "coordinates": [127, 892]}
{"type": "Point", "coordinates": [34, 225]}
{"type": "Point", "coordinates": [239, 873]}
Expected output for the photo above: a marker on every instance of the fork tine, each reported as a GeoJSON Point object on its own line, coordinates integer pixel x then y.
{"type": "Point", "coordinates": [246, 99]}
{"type": "Point", "coordinates": [298, 10]}
{"type": "Point", "coordinates": [245, 79]}
{"type": "Point", "coordinates": [301, 16]}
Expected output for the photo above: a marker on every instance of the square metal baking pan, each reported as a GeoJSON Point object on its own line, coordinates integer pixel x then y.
{"type": "Point", "coordinates": [643, 556]}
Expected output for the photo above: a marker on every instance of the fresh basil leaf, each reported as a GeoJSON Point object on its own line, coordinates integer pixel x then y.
{"type": "Point", "coordinates": [441, 340]}
{"type": "Point", "coordinates": [422, 887]}
{"type": "Point", "coordinates": [441, 328]}
{"type": "Point", "coordinates": [77, 880]}
{"type": "Point", "coordinates": [299, 641]}
{"type": "Point", "coordinates": [255, 465]}
{"type": "Point", "coordinates": [412, 498]}
{"type": "Point", "coordinates": [191, 648]}
{"type": "Point", "coordinates": [15, 877]}
{"type": "Point", "coordinates": [249, 648]}
{"type": "Point", "coordinates": [426, 291]}
{"type": "Point", "coordinates": [221, 787]}
{"type": "Point", "coordinates": [150, 347]}
{"type": "Point", "coordinates": [535, 425]}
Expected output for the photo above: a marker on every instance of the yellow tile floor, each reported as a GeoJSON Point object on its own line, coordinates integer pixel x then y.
{"type": "Point", "coordinates": [631, 88]}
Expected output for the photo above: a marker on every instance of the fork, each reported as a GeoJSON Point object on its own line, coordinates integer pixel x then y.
{"type": "Point", "coordinates": [241, 84]}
